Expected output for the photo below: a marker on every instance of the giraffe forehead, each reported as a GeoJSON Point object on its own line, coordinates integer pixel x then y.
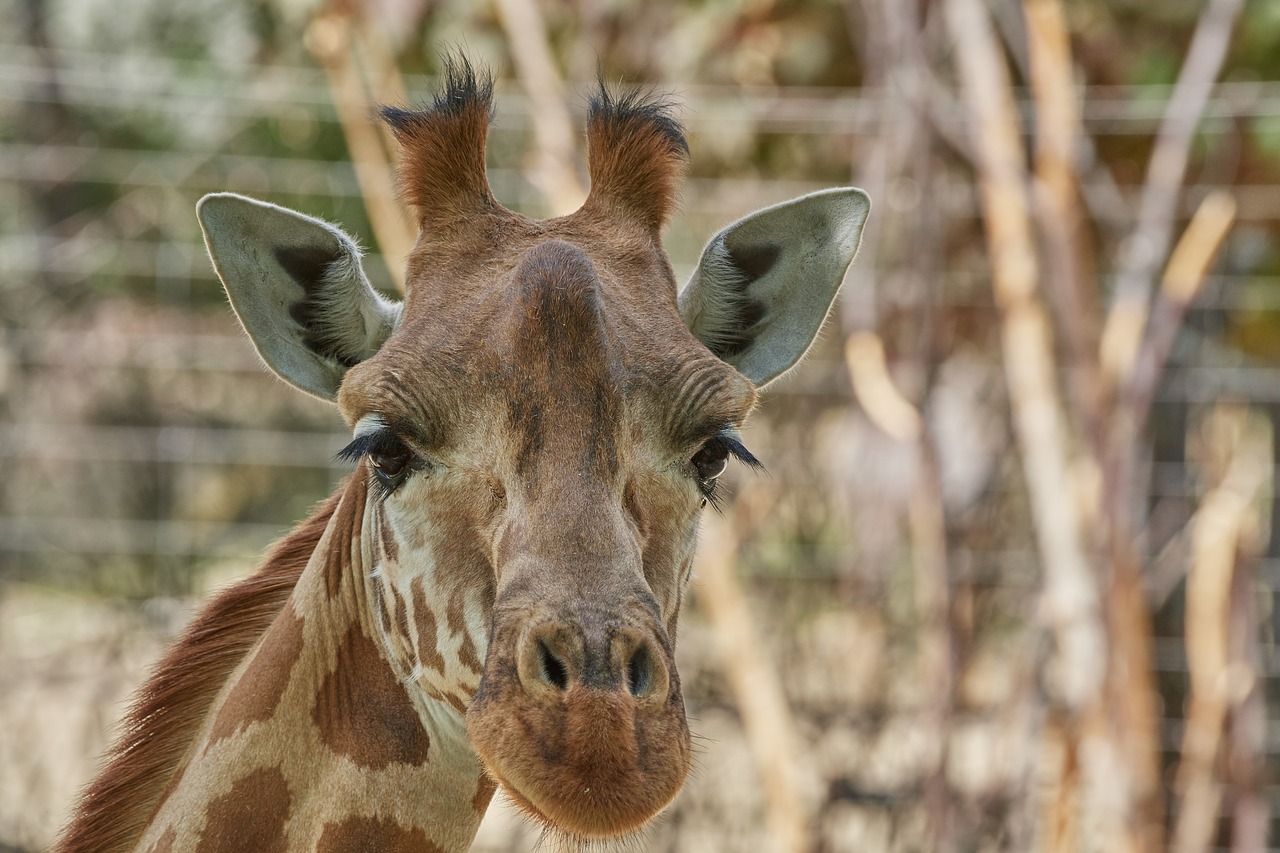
{"type": "Point", "coordinates": [563, 348]}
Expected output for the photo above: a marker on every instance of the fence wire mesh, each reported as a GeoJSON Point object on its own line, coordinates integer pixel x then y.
{"type": "Point", "coordinates": [148, 458]}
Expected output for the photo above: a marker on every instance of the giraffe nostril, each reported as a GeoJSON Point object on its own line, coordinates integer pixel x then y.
{"type": "Point", "coordinates": [555, 658]}
{"type": "Point", "coordinates": [639, 672]}
{"type": "Point", "coordinates": [553, 669]}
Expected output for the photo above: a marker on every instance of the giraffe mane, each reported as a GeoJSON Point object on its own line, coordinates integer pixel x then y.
{"type": "Point", "coordinates": [157, 732]}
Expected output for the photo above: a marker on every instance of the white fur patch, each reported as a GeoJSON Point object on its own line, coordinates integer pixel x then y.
{"type": "Point", "coordinates": [369, 424]}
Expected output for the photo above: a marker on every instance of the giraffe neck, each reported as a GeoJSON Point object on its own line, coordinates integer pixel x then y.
{"type": "Point", "coordinates": [320, 740]}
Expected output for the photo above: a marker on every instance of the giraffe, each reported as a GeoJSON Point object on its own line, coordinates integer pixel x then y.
{"type": "Point", "coordinates": [491, 597]}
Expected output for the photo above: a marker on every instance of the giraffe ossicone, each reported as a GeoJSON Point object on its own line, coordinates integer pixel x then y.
{"type": "Point", "coordinates": [491, 597]}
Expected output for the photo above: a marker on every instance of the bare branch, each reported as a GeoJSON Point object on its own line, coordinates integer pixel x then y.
{"type": "Point", "coordinates": [553, 127]}
{"type": "Point", "coordinates": [936, 646]}
{"type": "Point", "coordinates": [875, 390]}
{"type": "Point", "coordinates": [912, 102]}
{"type": "Point", "coordinates": [329, 38]}
{"type": "Point", "coordinates": [1217, 682]}
{"type": "Point", "coordinates": [1147, 246]}
{"type": "Point", "coordinates": [1245, 752]}
{"type": "Point", "coordinates": [1057, 203]}
{"type": "Point", "coordinates": [766, 714]}
{"type": "Point", "coordinates": [1132, 698]}
{"type": "Point", "coordinates": [1071, 595]}
{"type": "Point", "coordinates": [1183, 279]}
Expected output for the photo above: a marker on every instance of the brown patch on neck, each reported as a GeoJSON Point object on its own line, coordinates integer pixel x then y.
{"type": "Point", "coordinates": [363, 711]}
{"type": "Point", "coordinates": [256, 695]}
{"type": "Point", "coordinates": [251, 816]}
{"type": "Point", "coordinates": [361, 834]}
{"type": "Point", "coordinates": [172, 705]}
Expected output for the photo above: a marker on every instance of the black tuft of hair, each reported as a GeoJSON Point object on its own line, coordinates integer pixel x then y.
{"type": "Point", "coordinates": [642, 106]}
{"type": "Point", "coordinates": [464, 89]}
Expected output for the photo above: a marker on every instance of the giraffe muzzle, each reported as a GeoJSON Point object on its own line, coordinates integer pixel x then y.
{"type": "Point", "coordinates": [582, 721]}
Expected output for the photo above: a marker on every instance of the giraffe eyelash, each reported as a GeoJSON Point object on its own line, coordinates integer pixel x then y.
{"type": "Point", "coordinates": [382, 440]}
{"type": "Point", "coordinates": [723, 445]}
{"type": "Point", "coordinates": [738, 450]}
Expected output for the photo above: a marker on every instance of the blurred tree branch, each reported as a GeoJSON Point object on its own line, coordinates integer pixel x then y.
{"type": "Point", "coordinates": [554, 130]}
{"type": "Point", "coordinates": [1224, 525]}
{"type": "Point", "coordinates": [332, 38]}
{"type": "Point", "coordinates": [753, 678]}
{"type": "Point", "coordinates": [1146, 247]}
{"type": "Point", "coordinates": [1071, 598]}
{"type": "Point", "coordinates": [1110, 690]}
{"type": "Point", "coordinates": [914, 109]}
{"type": "Point", "coordinates": [1183, 279]}
{"type": "Point", "coordinates": [1056, 204]}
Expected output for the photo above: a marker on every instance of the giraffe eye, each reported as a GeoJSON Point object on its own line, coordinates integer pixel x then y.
{"type": "Point", "coordinates": [392, 463]}
{"type": "Point", "coordinates": [710, 462]}
{"type": "Point", "coordinates": [713, 457]}
{"type": "Point", "coordinates": [390, 459]}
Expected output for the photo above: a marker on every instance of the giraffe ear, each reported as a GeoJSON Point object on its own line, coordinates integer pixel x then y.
{"type": "Point", "coordinates": [298, 288]}
{"type": "Point", "coordinates": [764, 284]}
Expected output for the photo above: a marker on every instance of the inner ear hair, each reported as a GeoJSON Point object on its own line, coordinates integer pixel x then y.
{"type": "Point", "coordinates": [331, 315]}
{"type": "Point", "coordinates": [297, 286]}
{"type": "Point", "coordinates": [727, 316]}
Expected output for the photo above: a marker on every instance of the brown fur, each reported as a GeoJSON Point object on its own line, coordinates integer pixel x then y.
{"type": "Point", "coordinates": [361, 834]}
{"type": "Point", "coordinates": [363, 712]}
{"type": "Point", "coordinates": [251, 816]}
{"type": "Point", "coordinates": [485, 788]}
{"type": "Point", "coordinates": [255, 696]}
{"type": "Point", "coordinates": [157, 731]}
{"type": "Point", "coordinates": [636, 156]}
{"type": "Point", "coordinates": [427, 630]}
{"type": "Point", "coordinates": [387, 540]}
{"type": "Point", "coordinates": [348, 517]}
{"type": "Point", "coordinates": [442, 171]}
{"type": "Point", "coordinates": [457, 626]}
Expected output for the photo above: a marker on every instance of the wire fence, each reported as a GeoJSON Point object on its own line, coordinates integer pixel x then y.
{"type": "Point", "coordinates": [143, 444]}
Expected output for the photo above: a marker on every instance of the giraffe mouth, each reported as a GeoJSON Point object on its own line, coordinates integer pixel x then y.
{"type": "Point", "coordinates": [592, 768]}
{"type": "Point", "coordinates": [588, 755]}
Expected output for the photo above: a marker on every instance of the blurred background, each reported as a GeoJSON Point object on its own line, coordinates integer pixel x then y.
{"type": "Point", "coordinates": [1009, 582]}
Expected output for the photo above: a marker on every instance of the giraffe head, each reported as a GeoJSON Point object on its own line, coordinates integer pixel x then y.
{"type": "Point", "coordinates": [542, 420]}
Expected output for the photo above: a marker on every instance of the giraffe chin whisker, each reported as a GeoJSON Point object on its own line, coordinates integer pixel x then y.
{"type": "Point", "coordinates": [552, 839]}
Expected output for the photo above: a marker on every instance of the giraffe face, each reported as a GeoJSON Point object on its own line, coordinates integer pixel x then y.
{"type": "Point", "coordinates": [541, 423]}
{"type": "Point", "coordinates": [533, 512]}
